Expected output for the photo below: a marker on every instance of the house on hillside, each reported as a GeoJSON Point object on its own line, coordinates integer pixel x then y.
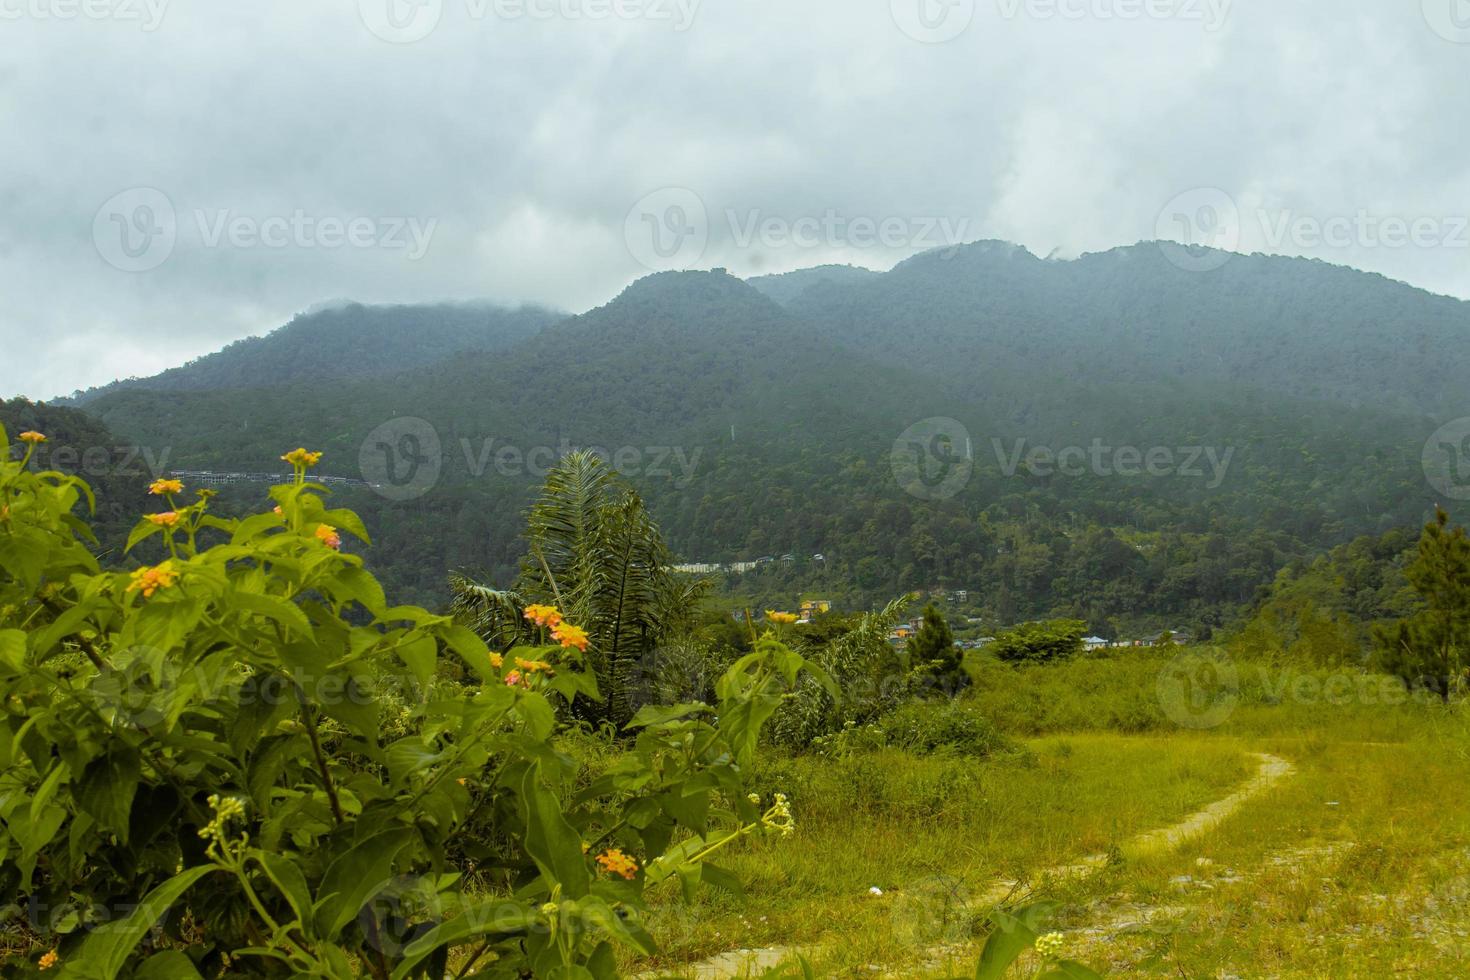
{"type": "Point", "coordinates": [1091, 643]}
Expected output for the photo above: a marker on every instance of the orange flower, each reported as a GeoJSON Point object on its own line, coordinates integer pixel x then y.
{"type": "Point", "coordinates": [301, 457]}
{"type": "Point", "coordinates": [32, 437]}
{"type": "Point", "coordinates": [150, 580]}
{"type": "Point", "coordinates": [534, 666]}
{"type": "Point", "coordinates": [570, 636]}
{"type": "Point", "coordinates": [277, 510]}
{"type": "Point", "coordinates": [514, 679]}
{"type": "Point", "coordinates": [543, 615]}
{"type": "Point", "coordinates": [160, 487]}
{"type": "Point", "coordinates": [327, 535]}
{"type": "Point", "coordinates": [49, 960]}
{"type": "Point", "coordinates": [167, 519]}
{"type": "Point", "coordinates": [617, 863]}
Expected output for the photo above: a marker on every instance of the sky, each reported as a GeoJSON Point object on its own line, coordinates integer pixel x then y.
{"type": "Point", "coordinates": [178, 174]}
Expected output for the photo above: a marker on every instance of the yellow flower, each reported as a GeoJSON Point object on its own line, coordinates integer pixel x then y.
{"type": "Point", "coordinates": [32, 437]}
{"type": "Point", "coordinates": [301, 457]}
{"type": "Point", "coordinates": [570, 636]}
{"type": "Point", "coordinates": [160, 487]}
{"type": "Point", "coordinates": [1050, 946]}
{"type": "Point", "coordinates": [784, 618]}
{"type": "Point", "coordinates": [497, 661]}
{"type": "Point", "coordinates": [534, 666]}
{"type": "Point", "coordinates": [49, 960]}
{"type": "Point", "coordinates": [327, 535]}
{"type": "Point", "coordinates": [543, 615]}
{"type": "Point", "coordinates": [150, 580]}
{"type": "Point", "coordinates": [617, 863]}
{"type": "Point", "coordinates": [778, 818]}
{"type": "Point", "coordinates": [167, 519]}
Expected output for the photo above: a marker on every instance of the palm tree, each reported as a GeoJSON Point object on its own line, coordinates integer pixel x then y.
{"type": "Point", "coordinates": [595, 553]}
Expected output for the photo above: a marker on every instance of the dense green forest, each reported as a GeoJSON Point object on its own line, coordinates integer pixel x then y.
{"type": "Point", "coordinates": [759, 420]}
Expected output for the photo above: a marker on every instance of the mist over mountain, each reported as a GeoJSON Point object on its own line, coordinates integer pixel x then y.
{"type": "Point", "coordinates": [1291, 399]}
{"type": "Point", "coordinates": [1285, 326]}
{"type": "Point", "coordinates": [348, 340]}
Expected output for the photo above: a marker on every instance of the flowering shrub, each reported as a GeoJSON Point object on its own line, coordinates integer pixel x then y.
{"type": "Point", "coordinates": [239, 759]}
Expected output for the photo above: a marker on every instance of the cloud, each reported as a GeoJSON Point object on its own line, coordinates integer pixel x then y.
{"type": "Point", "coordinates": [297, 149]}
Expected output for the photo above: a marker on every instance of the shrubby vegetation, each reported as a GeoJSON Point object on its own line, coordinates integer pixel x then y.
{"type": "Point", "coordinates": [240, 759]}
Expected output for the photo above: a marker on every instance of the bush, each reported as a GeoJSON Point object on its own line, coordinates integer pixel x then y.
{"type": "Point", "coordinates": [198, 762]}
{"type": "Point", "coordinates": [923, 728]}
{"type": "Point", "coordinates": [1039, 642]}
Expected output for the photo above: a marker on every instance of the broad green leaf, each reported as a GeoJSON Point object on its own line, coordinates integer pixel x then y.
{"type": "Point", "coordinates": [352, 879]}
{"type": "Point", "coordinates": [106, 949]}
{"type": "Point", "coordinates": [167, 965]}
{"type": "Point", "coordinates": [106, 787]}
{"type": "Point", "coordinates": [552, 842]}
{"type": "Point", "coordinates": [481, 919]}
{"type": "Point", "coordinates": [286, 613]}
{"type": "Point", "coordinates": [1009, 940]}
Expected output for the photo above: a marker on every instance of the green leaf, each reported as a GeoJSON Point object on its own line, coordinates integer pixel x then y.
{"type": "Point", "coordinates": [1009, 940]}
{"type": "Point", "coordinates": [107, 948]}
{"type": "Point", "coordinates": [355, 877]}
{"type": "Point", "coordinates": [484, 918]}
{"type": "Point", "coordinates": [288, 614]}
{"type": "Point", "coordinates": [419, 653]}
{"type": "Point", "coordinates": [291, 883]}
{"type": "Point", "coordinates": [598, 913]}
{"type": "Point", "coordinates": [106, 787]}
{"type": "Point", "coordinates": [550, 840]}
{"type": "Point", "coordinates": [13, 649]}
{"type": "Point", "coordinates": [167, 965]}
{"type": "Point", "coordinates": [254, 526]}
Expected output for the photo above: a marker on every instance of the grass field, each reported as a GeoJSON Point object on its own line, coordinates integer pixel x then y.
{"type": "Point", "coordinates": [1355, 864]}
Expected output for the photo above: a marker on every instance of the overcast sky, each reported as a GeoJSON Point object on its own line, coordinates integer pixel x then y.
{"type": "Point", "coordinates": [177, 175]}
